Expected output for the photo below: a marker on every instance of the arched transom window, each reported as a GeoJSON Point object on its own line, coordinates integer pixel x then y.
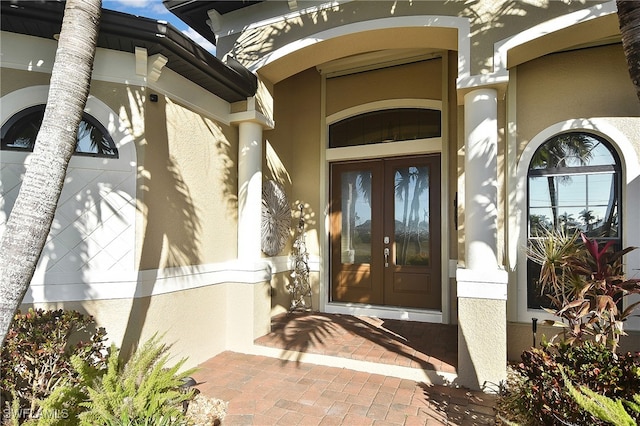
{"type": "Point", "coordinates": [574, 184]}
{"type": "Point", "coordinates": [20, 131]}
{"type": "Point", "coordinates": [389, 125]}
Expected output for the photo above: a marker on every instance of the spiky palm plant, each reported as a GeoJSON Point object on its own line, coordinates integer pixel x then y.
{"type": "Point", "coordinates": [586, 285]}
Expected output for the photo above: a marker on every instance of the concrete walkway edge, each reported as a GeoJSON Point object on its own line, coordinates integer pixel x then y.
{"type": "Point", "coordinates": [425, 376]}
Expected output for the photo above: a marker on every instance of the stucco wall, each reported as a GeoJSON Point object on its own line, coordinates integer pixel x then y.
{"type": "Point", "coordinates": [128, 322]}
{"type": "Point", "coordinates": [281, 298]}
{"type": "Point", "coordinates": [520, 338]}
{"type": "Point", "coordinates": [481, 342]}
{"type": "Point", "coordinates": [578, 84]}
{"type": "Point", "coordinates": [187, 187]}
{"type": "Point", "coordinates": [17, 79]}
{"type": "Point", "coordinates": [199, 322]}
{"type": "Point", "coordinates": [293, 159]}
{"type": "Point", "coordinates": [294, 146]}
{"type": "Point", "coordinates": [421, 80]}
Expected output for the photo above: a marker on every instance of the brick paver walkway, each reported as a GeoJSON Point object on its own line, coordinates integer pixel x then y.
{"type": "Point", "coordinates": [406, 343]}
{"type": "Point", "coordinates": [269, 391]}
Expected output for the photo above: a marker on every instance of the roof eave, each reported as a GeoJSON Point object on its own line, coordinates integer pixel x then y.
{"type": "Point", "coordinates": [231, 83]}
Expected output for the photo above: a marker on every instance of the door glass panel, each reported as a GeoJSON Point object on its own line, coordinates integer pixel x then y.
{"type": "Point", "coordinates": [355, 238]}
{"type": "Point", "coordinates": [411, 211]}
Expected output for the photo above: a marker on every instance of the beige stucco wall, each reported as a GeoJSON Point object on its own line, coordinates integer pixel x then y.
{"type": "Point", "coordinates": [481, 342]}
{"type": "Point", "coordinates": [295, 157]}
{"type": "Point", "coordinates": [281, 298]}
{"type": "Point", "coordinates": [578, 84]}
{"type": "Point", "coordinates": [569, 87]}
{"type": "Point", "coordinates": [187, 187]}
{"type": "Point", "coordinates": [420, 80]}
{"type": "Point", "coordinates": [292, 158]}
{"type": "Point", "coordinates": [187, 174]}
{"type": "Point", "coordinates": [520, 338]}
{"type": "Point", "coordinates": [199, 322]}
{"type": "Point", "coordinates": [114, 95]}
{"type": "Point", "coordinates": [16, 79]}
{"type": "Point", "coordinates": [583, 84]}
{"type": "Point", "coordinates": [128, 322]}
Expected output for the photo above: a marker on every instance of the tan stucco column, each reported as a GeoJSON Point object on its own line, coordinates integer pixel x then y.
{"type": "Point", "coordinates": [482, 284]}
{"type": "Point", "coordinates": [249, 303]}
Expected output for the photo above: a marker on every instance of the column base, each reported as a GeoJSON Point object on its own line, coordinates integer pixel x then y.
{"type": "Point", "coordinates": [482, 328]}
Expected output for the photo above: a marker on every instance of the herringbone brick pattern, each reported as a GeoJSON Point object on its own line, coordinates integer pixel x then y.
{"type": "Point", "coordinates": [269, 391]}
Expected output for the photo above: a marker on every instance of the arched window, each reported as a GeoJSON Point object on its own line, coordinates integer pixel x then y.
{"type": "Point", "coordinates": [574, 184]}
{"type": "Point", "coordinates": [20, 131]}
{"type": "Point", "coordinates": [389, 125]}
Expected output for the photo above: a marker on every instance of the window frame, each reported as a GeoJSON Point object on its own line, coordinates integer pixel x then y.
{"type": "Point", "coordinates": [614, 169]}
{"type": "Point", "coordinates": [361, 118]}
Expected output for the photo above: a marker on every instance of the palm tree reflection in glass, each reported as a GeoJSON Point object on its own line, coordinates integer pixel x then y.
{"type": "Point", "coordinates": [412, 215]}
{"type": "Point", "coordinates": [574, 186]}
{"type": "Point", "coordinates": [582, 190]}
{"type": "Point", "coordinates": [299, 286]}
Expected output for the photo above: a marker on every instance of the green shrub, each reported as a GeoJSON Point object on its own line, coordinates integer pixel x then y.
{"type": "Point", "coordinates": [142, 392]}
{"type": "Point", "coordinates": [535, 392]}
{"type": "Point", "coordinates": [602, 407]}
{"type": "Point", "coordinates": [36, 359]}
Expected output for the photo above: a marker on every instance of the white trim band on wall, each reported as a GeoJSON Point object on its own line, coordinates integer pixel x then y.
{"type": "Point", "coordinates": [130, 285]}
{"type": "Point", "coordinates": [475, 284]}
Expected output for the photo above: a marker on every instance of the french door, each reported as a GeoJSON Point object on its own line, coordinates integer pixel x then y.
{"type": "Point", "coordinates": [385, 232]}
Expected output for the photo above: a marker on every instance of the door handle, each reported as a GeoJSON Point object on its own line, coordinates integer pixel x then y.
{"type": "Point", "coordinates": [386, 257]}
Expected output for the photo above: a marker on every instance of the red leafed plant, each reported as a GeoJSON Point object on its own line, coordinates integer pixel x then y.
{"type": "Point", "coordinates": [587, 286]}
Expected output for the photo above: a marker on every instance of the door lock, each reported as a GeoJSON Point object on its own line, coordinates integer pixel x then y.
{"type": "Point", "coordinates": [386, 257]}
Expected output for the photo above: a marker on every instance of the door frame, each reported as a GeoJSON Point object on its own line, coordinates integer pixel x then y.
{"type": "Point", "coordinates": [383, 150]}
{"type": "Point", "coordinates": [377, 278]}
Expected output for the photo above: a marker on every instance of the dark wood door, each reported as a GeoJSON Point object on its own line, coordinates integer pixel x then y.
{"type": "Point", "coordinates": [385, 232]}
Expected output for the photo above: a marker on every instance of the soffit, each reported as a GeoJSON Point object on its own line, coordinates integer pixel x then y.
{"type": "Point", "coordinates": [376, 60]}
{"type": "Point", "coordinates": [196, 13]}
{"type": "Point", "coordinates": [123, 32]}
{"type": "Point", "coordinates": [325, 53]}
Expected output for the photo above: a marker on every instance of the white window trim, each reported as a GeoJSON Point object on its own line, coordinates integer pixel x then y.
{"type": "Point", "coordinates": [610, 129]}
{"type": "Point", "coordinates": [20, 99]}
{"type": "Point", "coordinates": [409, 147]}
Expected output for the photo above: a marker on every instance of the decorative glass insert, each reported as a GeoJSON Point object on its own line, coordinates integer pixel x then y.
{"type": "Point", "coordinates": [356, 217]}
{"type": "Point", "coordinates": [20, 131]}
{"type": "Point", "coordinates": [574, 184]}
{"type": "Point", "coordinates": [390, 125]}
{"type": "Point", "coordinates": [411, 215]}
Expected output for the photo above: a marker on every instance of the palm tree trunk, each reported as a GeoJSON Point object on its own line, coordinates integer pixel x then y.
{"type": "Point", "coordinates": [553, 200]}
{"type": "Point", "coordinates": [629, 19]}
{"type": "Point", "coordinates": [415, 210]}
{"type": "Point", "coordinates": [30, 221]}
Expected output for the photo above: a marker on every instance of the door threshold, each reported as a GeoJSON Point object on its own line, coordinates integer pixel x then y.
{"type": "Point", "coordinates": [386, 312]}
